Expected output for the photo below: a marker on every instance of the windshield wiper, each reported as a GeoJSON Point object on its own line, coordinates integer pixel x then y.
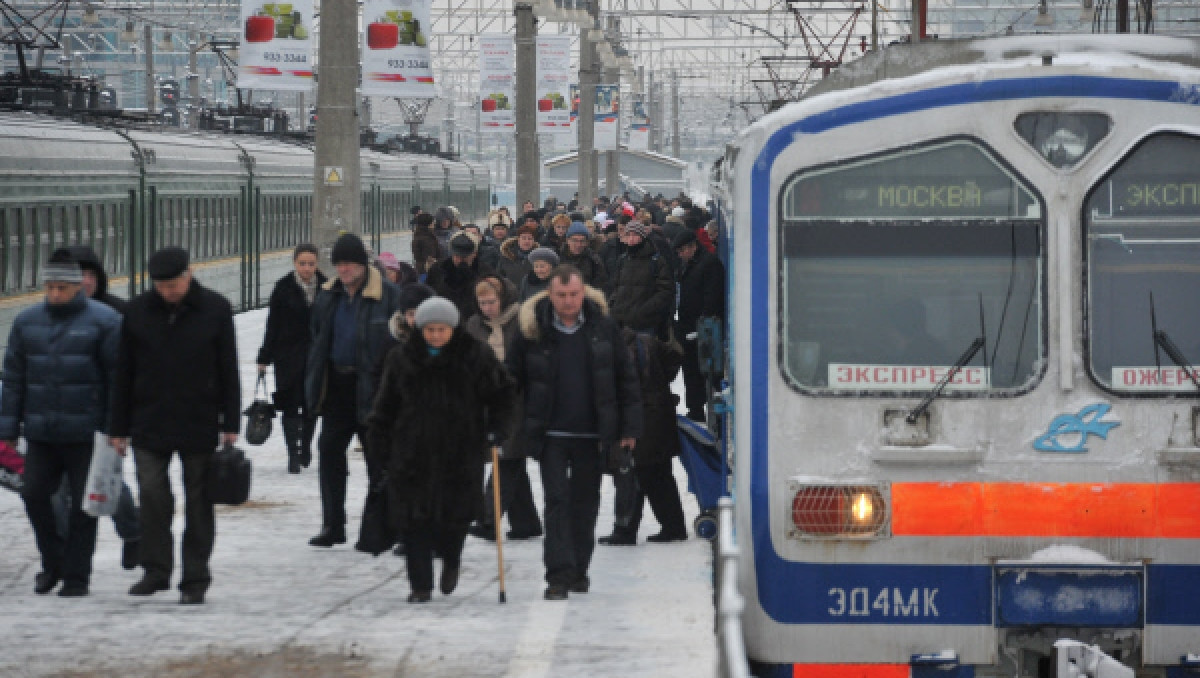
{"type": "Point", "coordinates": [977, 345]}
{"type": "Point", "coordinates": [962, 361]}
{"type": "Point", "coordinates": [1161, 339]}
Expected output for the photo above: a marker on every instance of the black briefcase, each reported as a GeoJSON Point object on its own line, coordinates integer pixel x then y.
{"type": "Point", "coordinates": [228, 479]}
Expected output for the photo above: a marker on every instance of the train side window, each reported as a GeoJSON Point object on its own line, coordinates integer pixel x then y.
{"type": "Point", "coordinates": [893, 265]}
{"type": "Point", "coordinates": [1142, 249]}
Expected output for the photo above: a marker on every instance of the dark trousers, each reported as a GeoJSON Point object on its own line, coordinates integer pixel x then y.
{"type": "Point", "coordinates": [571, 472]}
{"type": "Point", "coordinates": [339, 425]}
{"type": "Point", "coordinates": [421, 541]}
{"type": "Point", "coordinates": [126, 520]}
{"type": "Point", "coordinates": [298, 429]}
{"type": "Point", "coordinates": [45, 466]}
{"type": "Point", "coordinates": [656, 484]}
{"type": "Point", "coordinates": [516, 498]}
{"type": "Point", "coordinates": [694, 384]}
{"type": "Point", "coordinates": [158, 510]}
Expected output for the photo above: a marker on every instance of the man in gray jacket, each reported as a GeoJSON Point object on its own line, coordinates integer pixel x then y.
{"type": "Point", "coordinates": [58, 371]}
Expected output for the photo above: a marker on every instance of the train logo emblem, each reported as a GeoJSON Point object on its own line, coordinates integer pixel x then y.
{"type": "Point", "coordinates": [1086, 423]}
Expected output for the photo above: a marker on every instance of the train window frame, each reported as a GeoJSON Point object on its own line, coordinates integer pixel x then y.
{"type": "Point", "coordinates": [1086, 277]}
{"type": "Point", "coordinates": [1041, 364]}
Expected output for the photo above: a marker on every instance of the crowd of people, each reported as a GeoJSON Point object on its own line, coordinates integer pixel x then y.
{"type": "Point", "coordinates": [555, 337]}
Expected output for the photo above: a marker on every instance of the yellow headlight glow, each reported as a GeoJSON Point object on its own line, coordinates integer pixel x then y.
{"type": "Point", "coordinates": [862, 508]}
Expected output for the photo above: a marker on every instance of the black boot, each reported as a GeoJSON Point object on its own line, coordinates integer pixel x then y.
{"type": "Point", "coordinates": [328, 536]}
{"type": "Point", "coordinates": [619, 537]}
{"type": "Point", "coordinates": [293, 433]}
{"type": "Point", "coordinates": [308, 428]}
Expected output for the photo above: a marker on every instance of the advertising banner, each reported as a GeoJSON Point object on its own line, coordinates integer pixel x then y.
{"type": "Point", "coordinates": [553, 89]}
{"type": "Point", "coordinates": [608, 113]}
{"type": "Point", "coordinates": [395, 52]}
{"type": "Point", "coordinates": [276, 50]}
{"type": "Point", "coordinates": [497, 73]}
{"type": "Point", "coordinates": [574, 112]}
{"type": "Point", "coordinates": [639, 127]}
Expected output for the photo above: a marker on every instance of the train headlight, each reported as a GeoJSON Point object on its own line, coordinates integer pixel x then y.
{"type": "Point", "coordinates": [838, 511]}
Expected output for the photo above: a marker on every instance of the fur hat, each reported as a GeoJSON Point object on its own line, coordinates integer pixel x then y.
{"type": "Point", "coordinates": [413, 294]}
{"type": "Point", "coordinates": [462, 245]}
{"type": "Point", "coordinates": [437, 310]}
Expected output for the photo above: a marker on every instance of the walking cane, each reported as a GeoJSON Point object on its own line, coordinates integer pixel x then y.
{"type": "Point", "coordinates": [496, 517]}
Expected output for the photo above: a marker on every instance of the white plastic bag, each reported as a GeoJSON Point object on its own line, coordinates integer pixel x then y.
{"type": "Point", "coordinates": [103, 487]}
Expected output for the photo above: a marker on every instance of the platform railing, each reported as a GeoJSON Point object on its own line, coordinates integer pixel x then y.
{"type": "Point", "coordinates": [731, 647]}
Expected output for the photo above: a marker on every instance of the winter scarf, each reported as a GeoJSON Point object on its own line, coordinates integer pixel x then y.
{"type": "Point", "coordinates": [496, 338]}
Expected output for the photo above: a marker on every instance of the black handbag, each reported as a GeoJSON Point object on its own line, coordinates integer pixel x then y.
{"type": "Point", "coordinates": [259, 415]}
{"type": "Point", "coordinates": [228, 480]}
{"type": "Point", "coordinates": [375, 535]}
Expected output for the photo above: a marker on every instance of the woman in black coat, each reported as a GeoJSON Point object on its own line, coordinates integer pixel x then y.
{"type": "Point", "coordinates": [496, 325]}
{"type": "Point", "coordinates": [442, 396]}
{"type": "Point", "coordinates": [285, 345]}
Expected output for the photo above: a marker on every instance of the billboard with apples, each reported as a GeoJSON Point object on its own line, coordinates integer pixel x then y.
{"type": "Point", "coordinates": [395, 49]}
{"type": "Point", "coordinates": [496, 84]}
{"type": "Point", "coordinates": [554, 89]}
{"type": "Point", "coordinates": [276, 45]}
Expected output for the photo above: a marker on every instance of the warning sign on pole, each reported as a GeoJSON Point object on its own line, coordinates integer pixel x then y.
{"type": "Point", "coordinates": [333, 176]}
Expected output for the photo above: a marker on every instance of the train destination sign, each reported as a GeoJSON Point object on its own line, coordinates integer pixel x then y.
{"type": "Point", "coordinates": [1154, 379]}
{"type": "Point", "coordinates": [953, 180]}
{"type": "Point", "coordinates": [853, 377]}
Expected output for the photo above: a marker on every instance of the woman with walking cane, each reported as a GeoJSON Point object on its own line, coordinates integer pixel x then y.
{"type": "Point", "coordinates": [442, 399]}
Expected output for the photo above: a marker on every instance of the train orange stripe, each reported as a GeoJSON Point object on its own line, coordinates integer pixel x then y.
{"type": "Point", "coordinates": [850, 671]}
{"type": "Point", "coordinates": [1170, 510]}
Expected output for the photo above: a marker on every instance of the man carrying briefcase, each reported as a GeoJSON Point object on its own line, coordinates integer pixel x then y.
{"type": "Point", "coordinates": [176, 391]}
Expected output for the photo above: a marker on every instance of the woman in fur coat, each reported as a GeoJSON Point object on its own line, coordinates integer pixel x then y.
{"type": "Point", "coordinates": [443, 395]}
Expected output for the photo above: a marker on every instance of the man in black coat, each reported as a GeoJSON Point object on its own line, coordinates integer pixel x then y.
{"type": "Point", "coordinates": [582, 400]}
{"type": "Point", "coordinates": [701, 295]}
{"type": "Point", "coordinates": [176, 391]}
{"type": "Point", "coordinates": [349, 335]}
{"type": "Point", "coordinates": [455, 277]}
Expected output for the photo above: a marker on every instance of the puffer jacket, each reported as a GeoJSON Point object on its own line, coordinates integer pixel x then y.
{"type": "Point", "coordinates": [643, 296]}
{"type": "Point", "coordinates": [531, 361]}
{"type": "Point", "coordinates": [58, 371]}
{"type": "Point", "coordinates": [380, 300]}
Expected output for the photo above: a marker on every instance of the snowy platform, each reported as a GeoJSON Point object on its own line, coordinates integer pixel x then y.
{"type": "Point", "coordinates": [278, 607]}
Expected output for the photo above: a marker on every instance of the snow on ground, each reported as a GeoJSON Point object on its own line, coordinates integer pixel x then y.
{"type": "Point", "coordinates": [278, 607]}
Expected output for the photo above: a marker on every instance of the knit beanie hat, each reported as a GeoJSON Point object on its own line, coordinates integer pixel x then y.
{"type": "Point", "coordinates": [62, 267]}
{"type": "Point", "coordinates": [349, 248]}
{"type": "Point", "coordinates": [577, 228]}
{"type": "Point", "coordinates": [544, 254]}
{"type": "Point", "coordinates": [437, 310]}
{"type": "Point", "coordinates": [462, 245]}
{"type": "Point", "coordinates": [637, 227]}
{"type": "Point", "coordinates": [389, 261]}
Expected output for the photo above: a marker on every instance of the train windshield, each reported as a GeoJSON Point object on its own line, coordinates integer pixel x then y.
{"type": "Point", "coordinates": [1143, 263]}
{"type": "Point", "coordinates": [893, 266]}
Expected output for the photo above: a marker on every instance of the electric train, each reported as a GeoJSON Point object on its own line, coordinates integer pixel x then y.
{"type": "Point", "coordinates": [965, 305]}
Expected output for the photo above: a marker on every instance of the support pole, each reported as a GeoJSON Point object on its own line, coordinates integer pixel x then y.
{"type": "Point", "coordinates": [193, 78]}
{"type": "Point", "coordinates": [655, 111]}
{"type": "Point", "coordinates": [336, 200]}
{"type": "Point", "coordinates": [612, 159]}
{"type": "Point", "coordinates": [528, 161]}
{"type": "Point", "coordinates": [148, 38]}
{"type": "Point", "coordinates": [588, 72]}
{"type": "Point", "coordinates": [675, 114]}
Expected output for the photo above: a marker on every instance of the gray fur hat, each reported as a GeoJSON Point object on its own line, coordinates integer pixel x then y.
{"type": "Point", "coordinates": [437, 310]}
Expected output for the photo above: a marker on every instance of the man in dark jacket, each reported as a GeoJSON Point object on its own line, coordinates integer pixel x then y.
{"type": "Point", "coordinates": [581, 400]}
{"type": "Point", "coordinates": [126, 519]}
{"type": "Point", "coordinates": [701, 294]}
{"type": "Point", "coordinates": [349, 334]}
{"type": "Point", "coordinates": [57, 373]}
{"type": "Point", "coordinates": [643, 296]}
{"type": "Point", "coordinates": [176, 390]}
{"type": "Point", "coordinates": [579, 253]}
{"type": "Point", "coordinates": [455, 277]}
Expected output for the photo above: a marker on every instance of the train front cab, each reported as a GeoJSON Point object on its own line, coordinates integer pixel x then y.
{"type": "Point", "coordinates": [1040, 225]}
